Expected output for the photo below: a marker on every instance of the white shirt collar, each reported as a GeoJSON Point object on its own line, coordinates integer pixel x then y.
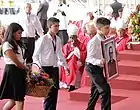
{"type": "Point", "coordinates": [49, 36]}
{"type": "Point", "coordinates": [99, 37]}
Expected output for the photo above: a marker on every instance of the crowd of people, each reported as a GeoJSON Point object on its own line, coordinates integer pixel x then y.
{"type": "Point", "coordinates": [67, 51]}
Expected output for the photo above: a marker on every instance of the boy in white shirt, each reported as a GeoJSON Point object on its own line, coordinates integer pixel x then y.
{"type": "Point", "coordinates": [47, 54]}
{"type": "Point", "coordinates": [94, 67]}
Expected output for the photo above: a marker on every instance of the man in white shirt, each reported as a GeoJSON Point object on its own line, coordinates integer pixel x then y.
{"type": "Point", "coordinates": [94, 67]}
{"type": "Point", "coordinates": [30, 24]}
{"type": "Point", "coordinates": [47, 54]}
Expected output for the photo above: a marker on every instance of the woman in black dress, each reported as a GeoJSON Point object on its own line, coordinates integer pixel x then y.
{"type": "Point", "coordinates": [13, 82]}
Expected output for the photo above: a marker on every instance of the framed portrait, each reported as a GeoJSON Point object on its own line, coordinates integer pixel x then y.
{"type": "Point", "coordinates": [109, 53]}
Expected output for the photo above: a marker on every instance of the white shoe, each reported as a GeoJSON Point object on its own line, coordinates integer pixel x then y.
{"type": "Point", "coordinates": [61, 84]}
{"type": "Point", "coordinates": [65, 86]}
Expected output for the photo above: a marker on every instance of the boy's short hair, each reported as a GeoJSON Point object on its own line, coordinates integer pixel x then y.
{"type": "Point", "coordinates": [102, 21]}
{"type": "Point", "coordinates": [52, 21]}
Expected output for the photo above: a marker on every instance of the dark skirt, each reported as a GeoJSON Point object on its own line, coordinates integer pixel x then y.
{"type": "Point", "coordinates": [13, 83]}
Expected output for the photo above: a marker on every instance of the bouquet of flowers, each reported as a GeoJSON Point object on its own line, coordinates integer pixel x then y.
{"type": "Point", "coordinates": [39, 79]}
{"type": "Point", "coordinates": [134, 25]}
{"type": "Point", "coordinates": [38, 84]}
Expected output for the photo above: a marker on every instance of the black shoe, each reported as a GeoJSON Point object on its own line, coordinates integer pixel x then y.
{"type": "Point", "coordinates": [71, 88]}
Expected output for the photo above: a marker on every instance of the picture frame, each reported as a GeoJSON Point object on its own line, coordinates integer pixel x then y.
{"type": "Point", "coordinates": [109, 53]}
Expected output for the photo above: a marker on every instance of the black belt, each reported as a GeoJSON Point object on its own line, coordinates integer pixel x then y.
{"type": "Point", "coordinates": [47, 67]}
{"type": "Point", "coordinates": [90, 64]}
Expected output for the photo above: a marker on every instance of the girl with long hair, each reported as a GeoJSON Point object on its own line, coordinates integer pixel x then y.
{"type": "Point", "coordinates": [13, 82]}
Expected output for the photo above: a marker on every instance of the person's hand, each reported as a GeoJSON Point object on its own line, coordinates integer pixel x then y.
{"type": "Point", "coordinates": [77, 52]}
{"type": "Point", "coordinates": [27, 69]}
{"type": "Point", "coordinates": [129, 46]}
{"type": "Point", "coordinates": [79, 63]}
{"type": "Point", "coordinates": [67, 71]}
{"type": "Point", "coordinates": [102, 61]}
{"type": "Point", "coordinates": [59, 11]}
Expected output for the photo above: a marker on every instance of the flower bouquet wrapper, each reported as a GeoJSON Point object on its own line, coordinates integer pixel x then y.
{"type": "Point", "coordinates": [38, 84]}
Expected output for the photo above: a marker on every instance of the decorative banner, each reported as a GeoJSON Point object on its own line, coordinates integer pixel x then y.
{"type": "Point", "coordinates": [11, 3]}
{"type": "Point", "coordinates": [7, 4]}
{"type": "Point", "coordinates": [1, 3]}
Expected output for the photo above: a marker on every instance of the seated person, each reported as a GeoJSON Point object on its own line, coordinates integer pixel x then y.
{"type": "Point", "coordinates": [75, 53]}
{"type": "Point", "coordinates": [2, 31]}
{"type": "Point", "coordinates": [90, 32]}
{"type": "Point", "coordinates": [112, 32]}
{"type": "Point", "coordinates": [82, 30]}
{"type": "Point", "coordinates": [122, 38]}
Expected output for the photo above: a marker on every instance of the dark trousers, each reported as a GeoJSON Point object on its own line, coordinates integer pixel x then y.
{"type": "Point", "coordinates": [99, 86]}
{"type": "Point", "coordinates": [44, 25]}
{"type": "Point", "coordinates": [29, 43]}
{"type": "Point", "coordinates": [50, 102]}
{"type": "Point", "coordinates": [63, 36]}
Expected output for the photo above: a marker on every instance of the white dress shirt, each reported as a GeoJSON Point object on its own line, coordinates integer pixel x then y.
{"type": "Point", "coordinates": [44, 54]}
{"type": "Point", "coordinates": [94, 50]}
{"type": "Point", "coordinates": [30, 24]}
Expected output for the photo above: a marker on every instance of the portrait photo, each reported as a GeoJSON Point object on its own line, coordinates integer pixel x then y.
{"type": "Point", "coordinates": [109, 53]}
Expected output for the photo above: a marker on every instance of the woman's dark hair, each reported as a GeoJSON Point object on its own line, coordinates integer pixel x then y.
{"type": "Point", "coordinates": [9, 36]}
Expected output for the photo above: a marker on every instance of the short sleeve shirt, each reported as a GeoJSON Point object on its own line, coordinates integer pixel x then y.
{"type": "Point", "coordinates": [7, 46]}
